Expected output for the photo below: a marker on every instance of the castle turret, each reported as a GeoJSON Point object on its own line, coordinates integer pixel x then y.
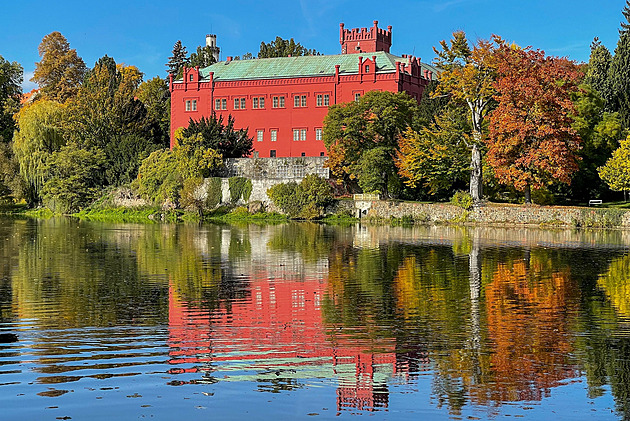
{"type": "Point", "coordinates": [365, 40]}
{"type": "Point", "coordinates": [211, 41]}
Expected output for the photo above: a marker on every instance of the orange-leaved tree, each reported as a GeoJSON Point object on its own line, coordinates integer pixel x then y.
{"type": "Point", "coordinates": [467, 77]}
{"type": "Point", "coordinates": [531, 143]}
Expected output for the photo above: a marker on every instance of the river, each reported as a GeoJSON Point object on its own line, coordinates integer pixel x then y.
{"type": "Point", "coordinates": [104, 321]}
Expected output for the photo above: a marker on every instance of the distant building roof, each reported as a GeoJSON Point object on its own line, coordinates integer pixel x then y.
{"type": "Point", "coordinates": [302, 66]}
{"type": "Point", "coordinates": [28, 97]}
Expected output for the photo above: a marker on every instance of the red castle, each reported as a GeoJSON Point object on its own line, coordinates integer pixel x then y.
{"type": "Point", "coordinates": [283, 101]}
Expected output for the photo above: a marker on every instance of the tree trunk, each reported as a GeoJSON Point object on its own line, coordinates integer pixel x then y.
{"type": "Point", "coordinates": [528, 194]}
{"type": "Point", "coordinates": [476, 175]}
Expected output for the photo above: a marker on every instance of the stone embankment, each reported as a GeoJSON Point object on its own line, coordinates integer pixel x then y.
{"type": "Point", "coordinates": [495, 214]}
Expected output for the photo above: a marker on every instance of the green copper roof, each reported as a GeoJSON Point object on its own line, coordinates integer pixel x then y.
{"type": "Point", "coordinates": [304, 66]}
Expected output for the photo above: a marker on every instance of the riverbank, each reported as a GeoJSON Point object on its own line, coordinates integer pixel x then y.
{"type": "Point", "coordinates": [373, 212]}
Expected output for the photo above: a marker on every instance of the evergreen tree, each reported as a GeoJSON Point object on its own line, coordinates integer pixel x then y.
{"type": "Point", "coordinates": [625, 26]}
{"type": "Point", "coordinates": [619, 73]}
{"type": "Point", "coordinates": [598, 71]}
{"type": "Point", "coordinates": [178, 59]}
{"type": "Point", "coordinates": [10, 93]}
{"type": "Point", "coordinates": [284, 48]}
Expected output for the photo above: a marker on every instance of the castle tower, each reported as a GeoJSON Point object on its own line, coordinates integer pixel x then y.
{"type": "Point", "coordinates": [365, 40]}
{"type": "Point", "coordinates": [211, 41]}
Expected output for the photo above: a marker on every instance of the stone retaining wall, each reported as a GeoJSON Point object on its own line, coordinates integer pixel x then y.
{"type": "Point", "coordinates": [497, 214]}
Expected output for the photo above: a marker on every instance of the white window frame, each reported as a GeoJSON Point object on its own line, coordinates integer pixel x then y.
{"type": "Point", "coordinates": [296, 135]}
{"type": "Point", "coordinates": [318, 133]}
{"type": "Point", "coordinates": [237, 103]}
{"type": "Point", "coordinates": [260, 135]}
{"type": "Point", "coordinates": [274, 135]}
{"type": "Point", "coordinates": [302, 134]}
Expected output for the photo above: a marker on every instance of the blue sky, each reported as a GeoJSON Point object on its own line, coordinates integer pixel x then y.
{"type": "Point", "coordinates": [142, 33]}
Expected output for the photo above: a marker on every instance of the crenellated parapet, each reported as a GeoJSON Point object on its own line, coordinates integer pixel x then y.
{"type": "Point", "coordinates": [365, 40]}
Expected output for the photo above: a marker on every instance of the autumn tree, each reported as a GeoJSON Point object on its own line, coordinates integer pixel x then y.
{"type": "Point", "coordinates": [468, 76]}
{"type": "Point", "coordinates": [10, 94]}
{"type": "Point", "coordinates": [178, 59]}
{"type": "Point", "coordinates": [434, 156]}
{"type": "Point", "coordinates": [60, 71]}
{"type": "Point", "coordinates": [375, 121]}
{"type": "Point", "coordinates": [531, 143]}
{"type": "Point", "coordinates": [284, 48]}
{"type": "Point", "coordinates": [616, 171]}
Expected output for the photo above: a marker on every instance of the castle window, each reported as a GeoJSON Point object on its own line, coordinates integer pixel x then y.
{"type": "Point", "coordinates": [326, 100]}
{"type": "Point", "coordinates": [272, 153]}
{"type": "Point", "coordinates": [278, 102]}
{"type": "Point", "coordinates": [296, 134]}
{"type": "Point", "coordinates": [303, 100]}
{"type": "Point", "coordinates": [367, 68]}
{"type": "Point", "coordinates": [261, 102]}
{"type": "Point", "coordinates": [303, 154]}
{"type": "Point", "coordinates": [255, 102]}
{"type": "Point", "coordinates": [242, 103]}
{"type": "Point", "coordinates": [224, 104]}
{"type": "Point", "coordinates": [318, 134]}
{"type": "Point", "coordinates": [320, 100]}
{"type": "Point", "coordinates": [321, 154]}
{"type": "Point", "coordinates": [187, 105]}
{"type": "Point", "coordinates": [237, 103]}
{"type": "Point", "coordinates": [357, 97]}
{"type": "Point", "coordinates": [259, 135]}
{"type": "Point", "coordinates": [190, 78]}
{"type": "Point", "coordinates": [296, 101]}
{"type": "Point", "coordinates": [217, 104]}
{"type": "Point", "coordinates": [194, 105]}
{"type": "Point", "coordinates": [274, 135]}
{"type": "Point", "coordinates": [303, 134]}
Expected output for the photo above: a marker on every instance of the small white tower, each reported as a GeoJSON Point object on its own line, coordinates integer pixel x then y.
{"type": "Point", "coordinates": [211, 41]}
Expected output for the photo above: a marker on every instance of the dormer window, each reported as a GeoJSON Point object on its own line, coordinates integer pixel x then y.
{"type": "Point", "coordinates": [367, 68]}
{"type": "Point", "coordinates": [191, 78]}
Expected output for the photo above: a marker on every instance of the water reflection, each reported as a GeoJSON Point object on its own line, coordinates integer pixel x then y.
{"type": "Point", "coordinates": [486, 316]}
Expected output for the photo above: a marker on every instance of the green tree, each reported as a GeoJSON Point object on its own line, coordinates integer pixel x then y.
{"type": "Point", "coordinates": [600, 132]}
{"type": "Point", "coordinates": [73, 178]}
{"type": "Point", "coordinates": [11, 76]}
{"type": "Point", "coordinates": [106, 114]}
{"type": "Point", "coordinates": [158, 177]}
{"type": "Point", "coordinates": [194, 159]}
{"type": "Point", "coordinates": [616, 171]}
{"type": "Point", "coordinates": [221, 137]}
{"type": "Point", "coordinates": [203, 57]}
{"type": "Point", "coordinates": [156, 97]}
{"type": "Point", "coordinates": [178, 59]}
{"type": "Point", "coordinates": [376, 171]}
{"type": "Point", "coordinates": [598, 72]}
{"type": "Point", "coordinates": [284, 48]}
{"type": "Point", "coordinates": [351, 129]}
{"type": "Point", "coordinates": [619, 72]}
{"type": "Point", "coordinates": [39, 134]}
{"type": "Point", "coordinates": [60, 71]}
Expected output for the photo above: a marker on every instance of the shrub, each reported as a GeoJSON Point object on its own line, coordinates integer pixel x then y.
{"type": "Point", "coordinates": [306, 200]}
{"type": "Point", "coordinates": [214, 193]}
{"type": "Point", "coordinates": [462, 199]}
{"type": "Point", "coordinates": [240, 187]}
